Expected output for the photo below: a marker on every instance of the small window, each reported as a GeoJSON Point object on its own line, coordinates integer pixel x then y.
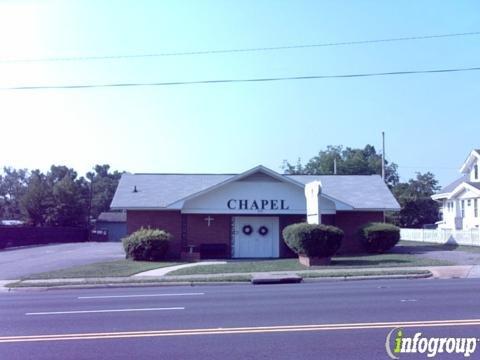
{"type": "Point", "coordinates": [475, 207]}
{"type": "Point", "coordinates": [468, 202]}
{"type": "Point", "coordinates": [475, 172]}
{"type": "Point", "coordinates": [463, 208]}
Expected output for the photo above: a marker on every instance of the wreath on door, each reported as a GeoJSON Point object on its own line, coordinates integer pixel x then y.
{"type": "Point", "coordinates": [263, 230]}
{"type": "Point", "coordinates": [247, 229]}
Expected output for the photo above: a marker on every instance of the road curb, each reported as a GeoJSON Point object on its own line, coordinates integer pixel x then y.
{"type": "Point", "coordinates": [215, 283]}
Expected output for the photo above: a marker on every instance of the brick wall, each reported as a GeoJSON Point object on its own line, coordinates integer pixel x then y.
{"type": "Point", "coordinates": [350, 222]}
{"type": "Point", "coordinates": [219, 231]}
{"type": "Point", "coordinates": [170, 221]}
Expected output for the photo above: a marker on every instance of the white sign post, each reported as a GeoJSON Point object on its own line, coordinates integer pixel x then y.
{"type": "Point", "coordinates": [312, 196]}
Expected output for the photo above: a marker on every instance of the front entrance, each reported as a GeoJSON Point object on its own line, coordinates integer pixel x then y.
{"type": "Point", "coordinates": [256, 237]}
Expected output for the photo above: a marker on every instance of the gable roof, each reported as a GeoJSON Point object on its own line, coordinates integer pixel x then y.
{"type": "Point", "coordinates": [472, 157]}
{"type": "Point", "coordinates": [443, 193]}
{"type": "Point", "coordinates": [159, 191]}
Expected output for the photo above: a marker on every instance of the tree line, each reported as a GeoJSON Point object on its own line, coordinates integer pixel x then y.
{"type": "Point", "coordinates": [58, 197]}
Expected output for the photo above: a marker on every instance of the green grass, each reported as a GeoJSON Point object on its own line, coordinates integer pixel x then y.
{"type": "Point", "coordinates": [366, 272]}
{"type": "Point", "coordinates": [129, 281]}
{"type": "Point", "coordinates": [218, 279]}
{"type": "Point", "coordinates": [425, 246]}
{"type": "Point", "coordinates": [246, 266]}
{"type": "Point", "coordinates": [117, 268]}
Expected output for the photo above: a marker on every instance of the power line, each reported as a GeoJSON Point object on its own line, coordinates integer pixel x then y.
{"type": "Point", "coordinates": [230, 81]}
{"type": "Point", "coordinates": [238, 50]}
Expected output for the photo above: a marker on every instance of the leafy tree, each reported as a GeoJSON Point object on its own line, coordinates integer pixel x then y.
{"type": "Point", "coordinates": [37, 199]}
{"type": "Point", "coordinates": [103, 185]}
{"type": "Point", "coordinates": [417, 206]}
{"type": "Point", "coordinates": [55, 199]}
{"type": "Point", "coordinates": [349, 161]}
{"type": "Point", "coordinates": [13, 184]}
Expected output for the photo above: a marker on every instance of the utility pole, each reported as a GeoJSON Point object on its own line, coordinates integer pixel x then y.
{"type": "Point", "coordinates": [334, 166]}
{"type": "Point", "coordinates": [383, 165]}
{"type": "Point", "coordinates": [383, 155]}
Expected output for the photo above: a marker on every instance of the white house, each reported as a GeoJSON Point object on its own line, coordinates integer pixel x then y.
{"type": "Point", "coordinates": [461, 199]}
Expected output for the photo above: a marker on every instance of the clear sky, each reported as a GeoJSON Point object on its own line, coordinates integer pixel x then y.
{"type": "Point", "coordinates": [431, 121]}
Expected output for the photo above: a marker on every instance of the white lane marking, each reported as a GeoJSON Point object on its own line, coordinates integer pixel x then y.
{"type": "Point", "coordinates": [101, 311]}
{"type": "Point", "coordinates": [408, 300]}
{"type": "Point", "coordinates": [137, 295]}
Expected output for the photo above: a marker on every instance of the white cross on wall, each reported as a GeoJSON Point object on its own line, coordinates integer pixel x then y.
{"type": "Point", "coordinates": [209, 220]}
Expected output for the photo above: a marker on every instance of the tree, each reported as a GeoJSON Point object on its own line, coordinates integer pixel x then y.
{"type": "Point", "coordinates": [13, 184]}
{"type": "Point", "coordinates": [417, 206]}
{"type": "Point", "coordinates": [349, 161]}
{"type": "Point", "coordinates": [55, 199]}
{"type": "Point", "coordinates": [37, 199]}
{"type": "Point", "coordinates": [103, 186]}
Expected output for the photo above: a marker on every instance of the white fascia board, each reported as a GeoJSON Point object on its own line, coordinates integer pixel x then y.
{"type": "Point", "coordinates": [133, 208]}
{"type": "Point", "coordinates": [463, 187]}
{"type": "Point", "coordinates": [470, 159]}
{"type": "Point", "coordinates": [259, 168]}
{"type": "Point", "coordinates": [440, 196]}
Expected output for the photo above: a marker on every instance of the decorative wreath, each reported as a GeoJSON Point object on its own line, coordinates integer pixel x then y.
{"type": "Point", "coordinates": [247, 229]}
{"type": "Point", "coordinates": [263, 230]}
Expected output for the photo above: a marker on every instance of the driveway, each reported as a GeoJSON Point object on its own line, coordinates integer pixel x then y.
{"type": "Point", "coordinates": [18, 262]}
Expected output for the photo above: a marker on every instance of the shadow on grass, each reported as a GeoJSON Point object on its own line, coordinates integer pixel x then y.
{"type": "Point", "coordinates": [422, 249]}
{"type": "Point", "coordinates": [367, 262]}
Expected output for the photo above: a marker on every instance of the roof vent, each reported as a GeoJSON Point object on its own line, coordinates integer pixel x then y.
{"type": "Point", "coordinates": [135, 189]}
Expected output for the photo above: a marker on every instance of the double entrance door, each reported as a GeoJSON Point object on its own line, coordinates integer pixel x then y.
{"type": "Point", "coordinates": [256, 237]}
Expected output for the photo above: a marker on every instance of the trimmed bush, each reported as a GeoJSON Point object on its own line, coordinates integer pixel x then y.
{"type": "Point", "coordinates": [379, 237]}
{"type": "Point", "coordinates": [147, 244]}
{"type": "Point", "coordinates": [313, 240]}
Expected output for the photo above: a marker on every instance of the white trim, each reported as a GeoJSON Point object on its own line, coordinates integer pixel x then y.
{"type": "Point", "coordinates": [461, 187]}
{"type": "Point", "coordinates": [471, 157]}
{"type": "Point", "coordinates": [259, 168]}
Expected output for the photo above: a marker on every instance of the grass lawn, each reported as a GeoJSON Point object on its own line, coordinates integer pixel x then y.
{"type": "Point", "coordinates": [425, 246]}
{"type": "Point", "coordinates": [117, 268]}
{"type": "Point", "coordinates": [245, 266]}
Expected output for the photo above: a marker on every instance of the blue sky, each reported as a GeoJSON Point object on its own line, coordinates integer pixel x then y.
{"type": "Point", "coordinates": [431, 121]}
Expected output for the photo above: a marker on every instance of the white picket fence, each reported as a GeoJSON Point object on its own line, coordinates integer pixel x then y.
{"type": "Point", "coordinates": [441, 236]}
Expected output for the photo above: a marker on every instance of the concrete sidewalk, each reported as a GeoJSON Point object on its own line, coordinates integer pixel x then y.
{"type": "Point", "coordinates": [438, 272]}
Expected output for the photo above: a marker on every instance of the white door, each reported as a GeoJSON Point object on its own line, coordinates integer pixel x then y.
{"type": "Point", "coordinates": [256, 237]}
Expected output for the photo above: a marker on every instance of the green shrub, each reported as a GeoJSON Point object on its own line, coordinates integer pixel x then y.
{"type": "Point", "coordinates": [147, 244]}
{"type": "Point", "coordinates": [313, 240]}
{"type": "Point", "coordinates": [379, 237]}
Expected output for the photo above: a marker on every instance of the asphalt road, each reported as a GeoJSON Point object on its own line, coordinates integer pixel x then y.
{"type": "Point", "coordinates": [296, 321]}
{"type": "Point", "coordinates": [18, 262]}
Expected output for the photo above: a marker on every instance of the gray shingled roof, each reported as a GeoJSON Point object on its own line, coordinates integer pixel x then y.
{"type": "Point", "coordinates": [112, 216]}
{"type": "Point", "coordinates": [358, 191]}
{"type": "Point", "coordinates": [475, 185]}
{"type": "Point", "coordinates": [161, 190]}
{"type": "Point", "coordinates": [452, 186]}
